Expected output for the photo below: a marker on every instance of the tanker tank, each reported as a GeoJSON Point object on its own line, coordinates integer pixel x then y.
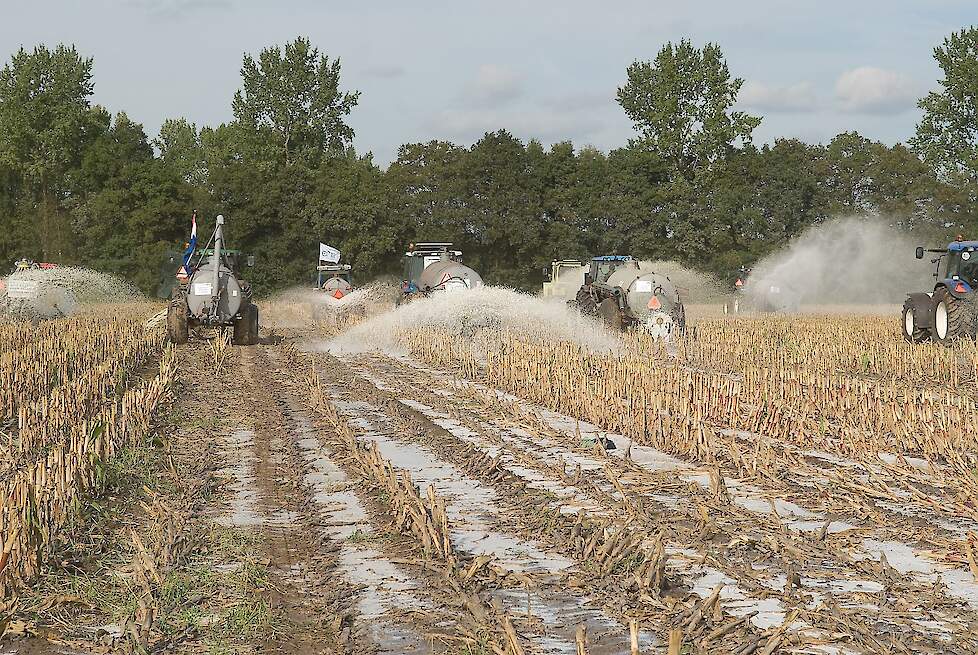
{"type": "Point", "coordinates": [435, 267]}
{"type": "Point", "coordinates": [448, 275]}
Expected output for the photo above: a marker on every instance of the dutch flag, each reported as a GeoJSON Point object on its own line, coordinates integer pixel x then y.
{"type": "Point", "coordinates": [192, 244]}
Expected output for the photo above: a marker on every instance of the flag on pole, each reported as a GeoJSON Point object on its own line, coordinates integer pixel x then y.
{"type": "Point", "coordinates": [192, 244]}
{"type": "Point", "coordinates": [328, 254]}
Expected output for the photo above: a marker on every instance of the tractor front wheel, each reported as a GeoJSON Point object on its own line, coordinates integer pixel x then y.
{"type": "Point", "coordinates": [912, 319]}
{"type": "Point", "coordinates": [246, 328]}
{"type": "Point", "coordinates": [177, 329]}
{"type": "Point", "coordinates": [953, 318]}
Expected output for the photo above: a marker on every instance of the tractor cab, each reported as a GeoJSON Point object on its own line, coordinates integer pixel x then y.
{"type": "Point", "coordinates": [960, 266]}
{"type": "Point", "coordinates": [957, 267]}
{"type": "Point", "coordinates": [603, 267]}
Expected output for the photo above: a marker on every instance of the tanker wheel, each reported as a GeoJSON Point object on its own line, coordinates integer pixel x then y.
{"type": "Point", "coordinates": [610, 314]}
{"type": "Point", "coordinates": [911, 330]}
{"type": "Point", "coordinates": [954, 318]}
{"type": "Point", "coordinates": [177, 329]}
{"type": "Point", "coordinates": [679, 321]}
{"type": "Point", "coordinates": [246, 328]}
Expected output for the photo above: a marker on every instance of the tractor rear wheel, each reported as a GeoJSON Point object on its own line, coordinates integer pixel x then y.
{"type": "Point", "coordinates": [246, 328]}
{"type": "Point", "coordinates": [953, 318]}
{"type": "Point", "coordinates": [912, 331]}
{"type": "Point", "coordinates": [177, 329]}
{"type": "Point", "coordinates": [610, 314]}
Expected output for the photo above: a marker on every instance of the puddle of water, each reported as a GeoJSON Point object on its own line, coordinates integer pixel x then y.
{"type": "Point", "coordinates": [244, 511]}
{"type": "Point", "coordinates": [959, 583]}
{"type": "Point", "coordinates": [344, 520]}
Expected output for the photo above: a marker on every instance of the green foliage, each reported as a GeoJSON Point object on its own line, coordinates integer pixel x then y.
{"type": "Point", "coordinates": [682, 106]}
{"type": "Point", "coordinates": [82, 186]}
{"type": "Point", "coordinates": [947, 136]}
{"type": "Point", "coordinates": [291, 107]}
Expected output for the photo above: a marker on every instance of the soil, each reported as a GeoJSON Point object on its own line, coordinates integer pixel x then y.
{"type": "Point", "coordinates": [256, 464]}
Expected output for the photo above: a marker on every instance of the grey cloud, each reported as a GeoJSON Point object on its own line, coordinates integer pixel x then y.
{"type": "Point", "coordinates": [795, 98]}
{"type": "Point", "coordinates": [177, 8]}
{"type": "Point", "coordinates": [493, 86]}
{"type": "Point", "coordinates": [871, 90]}
{"type": "Point", "coordinates": [385, 72]}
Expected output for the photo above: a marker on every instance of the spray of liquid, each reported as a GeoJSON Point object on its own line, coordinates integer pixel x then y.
{"type": "Point", "coordinates": [848, 261]}
{"type": "Point", "coordinates": [479, 316]}
{"type": "Point", "coordinates": [36, 294]}
{"type": "Point", "coordinates": [694, 286]}
{"type": "Point", "coordinates": [299, 307]}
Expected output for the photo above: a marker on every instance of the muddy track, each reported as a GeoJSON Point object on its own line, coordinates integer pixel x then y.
{"type": "Point", "coordinates": [761, 549]}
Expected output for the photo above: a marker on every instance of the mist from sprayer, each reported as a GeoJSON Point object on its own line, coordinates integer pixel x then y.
{"type": "Point", "coordinates": [847, 261]}
{"type": "Point", "coordinates": [63, 291]}
{"type": "Point", "coordinates": [297, 307]}
{"type": "Point", "coordinates": [479, 316]}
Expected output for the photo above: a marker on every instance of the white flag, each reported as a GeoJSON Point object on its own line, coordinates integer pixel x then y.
{"type": "Point", "coordinates": [328, 254]}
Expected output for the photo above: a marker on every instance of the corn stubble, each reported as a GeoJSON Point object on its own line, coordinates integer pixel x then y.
{"type": "Point", "coordinates": [69, 400]}
{"type": "Point", "coordinates": [736, 392]}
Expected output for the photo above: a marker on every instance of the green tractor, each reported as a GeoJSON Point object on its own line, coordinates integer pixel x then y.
{"type": "Point", "coordinates": [950, 311]}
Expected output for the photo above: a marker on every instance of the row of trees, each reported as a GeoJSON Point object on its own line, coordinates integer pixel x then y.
{"type": "Point", "coordinates": [79, 186]}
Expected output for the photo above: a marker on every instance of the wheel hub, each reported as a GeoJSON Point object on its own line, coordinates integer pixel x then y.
{"type": "Point", "coordinates": [940, 319]}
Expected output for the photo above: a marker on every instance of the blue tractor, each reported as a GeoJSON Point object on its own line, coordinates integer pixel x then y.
{"type": "Point", "coordinates": [950, 312]}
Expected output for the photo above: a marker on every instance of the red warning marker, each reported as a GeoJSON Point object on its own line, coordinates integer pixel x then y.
{"type": "Point", "coordinates": [182, 274]}
{"type": "Point", "coordinates": [739, 283]}
{"type": "Point", "coordinates": [654, 303]}
{"type": "Point", "coordinates": [337, 294]}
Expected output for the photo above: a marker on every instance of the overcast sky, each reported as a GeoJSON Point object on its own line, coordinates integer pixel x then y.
{"type": "Point", "coordinates": [546, 69]}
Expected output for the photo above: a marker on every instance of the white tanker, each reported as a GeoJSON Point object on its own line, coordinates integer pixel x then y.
{"type": "Point", "coordinates": [432, 267]}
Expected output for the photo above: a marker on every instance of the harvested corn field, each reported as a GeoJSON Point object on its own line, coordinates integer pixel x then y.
{"type": "Point", "coordinates": [438, 478]}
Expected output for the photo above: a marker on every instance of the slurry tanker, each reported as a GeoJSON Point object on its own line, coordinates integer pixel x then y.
{"type": "Point", "coordinates": [35, 291]}
{"type": "Point", "coordinates": [334, 279]}
{"type": "Point", "coordinates": [213, 293]}
{"type": "Point", "coordinates": [624, 295]}
{"type": "Point", "coordinates": [435, 267]}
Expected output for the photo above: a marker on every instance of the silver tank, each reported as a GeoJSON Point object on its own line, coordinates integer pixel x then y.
{"type": "Point", "coordinates": [448, 275]}
{"type": "Point", "coordinates": [337, 287]}
{"type": "Point", "coordinates": [201, 293]}
{"type": "Point", "coordinates": [651, 299]}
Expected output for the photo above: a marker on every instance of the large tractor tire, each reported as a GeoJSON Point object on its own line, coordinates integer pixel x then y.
{"type": "Point", "coordinates": [954, 318]}
{"type": "Point", "coordinates": [585, 302]}
{"type": "Point", "coordinates": [246, 329]}
{"type": "Point", "coordinates": [177, 328]}
{"type": "Point", "coordinates": [611, 314]}
{"type": "Point", "coordinates": [913, 317]}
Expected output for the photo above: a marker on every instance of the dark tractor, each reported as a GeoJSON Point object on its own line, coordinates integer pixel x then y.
{"type": "Point", "coordinates": [948, 313]}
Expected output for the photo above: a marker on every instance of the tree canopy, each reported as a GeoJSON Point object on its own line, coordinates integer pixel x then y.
{"type": "Point", "coordinates": [947, 136]}
{"type": "Point", "coordinates": [82, 186]}
{"type": "Point", "coordinates": [682, 106]}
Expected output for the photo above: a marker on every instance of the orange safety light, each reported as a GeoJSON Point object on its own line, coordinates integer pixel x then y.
{"type": "Point", "coordinates": [654, 303]}
{"type": "Point", "coordinates": [959, 287]}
